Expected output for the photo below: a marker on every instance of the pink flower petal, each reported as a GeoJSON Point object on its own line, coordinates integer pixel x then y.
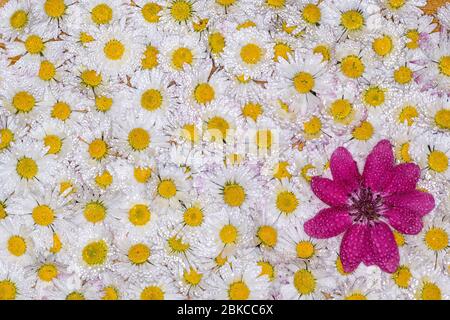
{"type": "Point", "coordinates": [353, 246]}
{"type": "Point", "coordinates": [404, 220]}
{"type": "Point", "coordinates": [419, 202]}
{"type": "Point", "coordinates": [404, 178]}
{"type": "Point", "coordinates": [378, 164]}
{"type": "Point", "coordinates": [344, 169]}
{"type": "Point", "coordinates": [329, 191]}
{"type": "Point", "coordinates": [328, 223]}
{"type": "Point", "coordinates": [384, 247]}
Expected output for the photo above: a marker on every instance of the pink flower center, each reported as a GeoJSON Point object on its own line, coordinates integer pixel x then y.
{"type": "Point", "coordinates": [365, 205]}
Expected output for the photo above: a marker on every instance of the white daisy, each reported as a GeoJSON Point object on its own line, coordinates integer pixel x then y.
{"type": "Point", "coordinates": [15, 284]}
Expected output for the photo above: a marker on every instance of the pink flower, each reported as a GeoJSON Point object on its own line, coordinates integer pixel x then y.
{"type": "Point", "coordinates": [367, 207]}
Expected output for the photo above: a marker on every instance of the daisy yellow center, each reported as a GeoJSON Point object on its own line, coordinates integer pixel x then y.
{"type": "Point", "coordinates": [430, 291]}
{"type": "Point", "coordinates": [53, 143]}
{"type": "Point", "coordinates": [91, 78]}
{"type": "Point", "coordinates": [177, 245]}
{"type": "Point", "coordinates": [151, 100]}
{"type": "Point", "coordinates": [374, 96]}
{"type": "Point", "coordinates": [287, 202]}
{"type": "Point", "coordinates": [305, 249]}
{"type": "Point", "coordinates": [324, 51]}
{"type": "Point", "coordinates": [363, 132]}
{"type": "Point", "coordinates": [228, 234]}
{"type": "Point", "coordinates": [95, 253]}
{"type": "Point", "coordinates": [139, 253]}
{"type": "Point", "coordinates": [55, 8]}
{"type": "Point", "coordinates": [94, 212]}
{"type": "Point", "coordinates": [340, 109]}
{"type": "Point", "coordinates": [65, 185]}
{"type": "Point", "coordinates": [8, 290]}
{"type": "Point", "coordinates": [234, 194]}
{"type": "Point", "coordinates": [264, 139]}
{"type": "Point", "coordinates": [200, 25]}
{"type": "Point", "coordinates": [252, 110]}
{"type": "Point", "coordinates": [23, 102]}
{"type": "Point", "coordinates": [150, 58]}
{"type": "Point", "coordinates": [167, 189]}
{"type": "Point", "coordinates": [413, 36]}
{"type": "Point", "coordinates": [57, 244]}
{"type": "Point", "coordinates": [61, 111]}
{"type": "Point", "coordinates": [268, 235]}
{"type": "Point", "coordinates": [220, 261]}
{"type": "Point", "coordinates": [152, 293]}
{"type": "Point", "coordinates": [383, 45]}
{"type": "Point", "coordinates": [311, 13]}
{"type": "Point", "coordinates": [47, 70]}
{"type": "Point", "coordinates": [402, 277]}
{"type": "Point", "coordinates": [47, 272]}
{"type": "Point", "coordinates": [266, 270]}
{"type": "Point", "coordinates": [243, 79]}
{"type": "Point", "coordinates": [193, 216]}
{"type": "Point", "coordinates": [17, 246]}
{"type": "Point", "coordinates": [225, 3]}
{"type": "Point", "coordinates": [27, 168]}
{"type": "Point", "coordinates": [352, 66]}
{"type": "Point", "coordinates": [281, 170]}
{"type": "Point", "coordinates": [150, 11]}
{"type": "Point", "coordinates": [114, 49]}
{"type": "Point", "coordinates": [356, 296]}
{"type": "Point", "coordinates": [101, 14]}
{"type": "Point", "coordinates": [43, 215]}
{"type": "Point", "coordinates": [438, 161]}
{"type": "Point", "coordinates": [305, 172]}
{"type": "Point", "coordinates": [181, 56]}
{"type": "Point", "coordinates": [34, 44]}
{"type": "Point", "coordinates": [75, 296]}
{"type": "Point", "coordinates": [3, 213]}
{"type": "Point", "coordinates": [403, 75]}
{"type": "Point", "coordinates": [276, 3]}
{"type": "Point", "coordinates": [436, 239]}
{"type": "Point", "coordinates": [189, 132]}
{"type": "Point", "coordinates": [442, 119]}
{"type": "Point", "coordinates": [192, 277]}
{"type": "Point", "coordinates": [304, 282]}
{"type": "Point", "coordinates": [218, 127]}
{"type": "Point", "coordinates": [103, 103]}
{"type": "Point", "coordinates": [404, 153]}
{"type": "Point", "coordinates": [444, 65]}
{"type": "Point", "coordinates": [85, 38]}
{"type": "Point", "coordinates": [204, 93]}
{"type": "Point", "coordinates": [238, 291]}
{"type": "Point", "coordinates": [18, 19]}
{"type": "Point", "coordinates": [98, 149]}
{"type": "Point", "coordinates": [139, 139]}
{"type": "Point", "coordinates": [216, 42]}
{"type": "Point", "coordinates": [6, 137]}
{"type": "Point", "coordinates": [251, 53]}
{"type": "Point", "coordinates": [139, 215]}
{"type": "Point", "coordinates": [110, 293]}
{"type": "Point", "coordinates": [396, 4]}
{"type": "Point", "coordinates": [303, 82]}
{"type": "Point", "coordinates": [142, 174]}
{"type": "Point", "coordinates": [352, 20]}
{"type": "Point", "coordinates": [340, 267]}
{"type": "Point", "coordinates": [281, 50]}
{"type": "Point", "coordinates": [408, 114]}
{"type": "Point", "coordinates": [181, 10]}
{"type": "Point", "coordinates": [313, 126]}
{"type": "Point", "coordinates": [104, 180]}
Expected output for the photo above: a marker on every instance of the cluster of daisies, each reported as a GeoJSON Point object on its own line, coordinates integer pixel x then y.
{"type": "Point", "coordinates": [163, 149]}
